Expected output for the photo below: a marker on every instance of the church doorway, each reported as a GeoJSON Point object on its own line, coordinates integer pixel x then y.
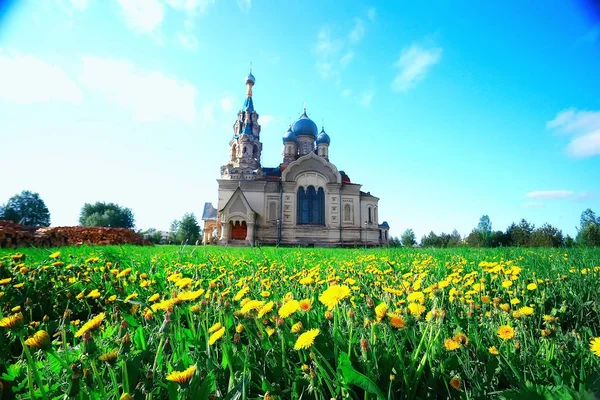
{"type": "Point", "coordinates": [239, 231]}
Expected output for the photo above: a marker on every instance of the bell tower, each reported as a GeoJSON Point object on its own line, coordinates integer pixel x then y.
{"type": "Point", "coordinates": [245, 147]}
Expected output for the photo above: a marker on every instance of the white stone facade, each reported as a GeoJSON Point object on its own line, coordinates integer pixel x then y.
{"type": "Point", "coordinates": [304, 201]}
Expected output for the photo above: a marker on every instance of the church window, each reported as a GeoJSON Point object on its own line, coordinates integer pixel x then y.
{"type": "Point", "coordinates": [310, 205]}
{"type": "Point", "coordinates": [255, 151]}
{"type": "Point", "coordinates": [304, 148]}
{"type": "Point", "coordinates": [375, 215]}
{"type": "Point", "coordinates": [370, 216]}
{"type": "Point", "coordinates": [347, 213]}
{"type": "Point", "coordinates": [272, 211]}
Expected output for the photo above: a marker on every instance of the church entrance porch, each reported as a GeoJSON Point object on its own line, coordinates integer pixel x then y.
{"type": "Point", "coordinates": [239, 231]}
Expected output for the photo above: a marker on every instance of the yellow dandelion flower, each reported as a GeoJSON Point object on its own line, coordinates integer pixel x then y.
{"type": "Point", "coordinates": [334, 295]}
{"type": "Point", "coordinates": [126, 396]}
{"type": "Point", "coordinates": [91, 324]}
{"type": "Point", "coordinates": [215, 327]}
{"type": "Point", "coordinates": [505, 307]}
{"type": "Point", "coordinates": [493, 351]}
{"type": "Point", "coordinates": [109, 357]}
{"type": "Point", "coordinates": [190, 295]}
{"type": "Point", "coordinates": [241, 293]}
{"type": "Point", "coordinates": [16, 309]}
{"type": "Point", "coordinates": [306, 339]}
{"type": "Point", "coordinates": [94, 294]}
{"type": "Point", "coordinates": [531, 286]}
{"type": "Point", "coordinates": [183, 283]}
{"type": "Point", "coordinates": [80, 295]}
{"type": "Point", "coordinates": [251, 305]}
{"type": "Point", "coordinates": [216, 336]}
{"type": "Point", "coordinates": [131, 296]}
{"type": "Point", "coordinates": [112, 298]}
{"type": "Point", "coordinates": [164, 305]}
{"type": "Point", "coordinates": [306, 304]}
{"type": "Point", "coordinates": [124, 273]}
{"type": "Point", "coordinates": [451, 344]}
{"type": "Point", "coordinates": [267, 308]}
{"type": "Point", "coordinates": [289, 308]}
{"type": "Point", "coordinates": [396, 321]}
{"type": "Point", "coordinates": [183, 377]}
{"type": "Point", "coordinates": [416, 297]}
{"type": "Point", "coordinates": [297, 327]}
{"type": "Point", "coordinates": [55, 255]}
{"type": "Point", "coordinates": [506, 332]}
{"type": "Point", "coordinates": [381, 311]}
{"type": "Point", "coordinates": [506, 284]}
{"type": "Point", "coordinates": [461, 338]}
{"type": "Point", "coordinates": [526, 310]}
{"type": "Point", "coordinates": [5, 281]}
{"type": "Point", "coordinates": [19, 285]}
{"type": "Point", "coordinates": [595, 346]}
{"type": "Point", "coordinates": [12, 321]}
{"type": "Point", "coordinates": [153, 298]}
{"type": "Point", "coordinates": [270, 331]}
{"type": "Point", "coordinates": [548, 318]}
{"type": "Point", "coordinates": [514, 301]}
{"type": "Point", "coordinates": [239, 328]}
{"type": "Point", "coordinates": [39, 340]}
{"type": "Point", "coordinates": [416, 309]}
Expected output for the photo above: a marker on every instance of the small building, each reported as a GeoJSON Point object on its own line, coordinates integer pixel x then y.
{"type": "Point", "coordinates": [305, 200]}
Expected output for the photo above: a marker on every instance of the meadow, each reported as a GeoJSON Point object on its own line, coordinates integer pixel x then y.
{"type": "Point", "coordinates": [265, 323]}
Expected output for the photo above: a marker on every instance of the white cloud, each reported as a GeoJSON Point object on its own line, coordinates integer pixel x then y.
{"type": "Point", "coordinates": [244, 5]}
{"type": "Point", "coordinates": [366, 98]}
{"type": "Point", "coordinates": [142, 16]}
{"type": "Point", "coordinates": [550, 194]}
{"type": "Point", "coordinates": [191, 6]}
{"type": "Point", "coordinates": [346, 58]}
{"type": "Point", "coordinates": [326, 45]}
{"type": "Point", "coordinates": [150, 95]}
{"type": "Point", "coordinates": [358, 32]}
{"type": "Point", "coordinates": [584, 125]}
{"type": "Point", "coordinates": [534, 204]}
{"type": "Point", "coordinates": [187, 40]}
{"type": "Point", "coordinates": [346, 92]}
{"type": "Point", "coordinates": [413, 65]}
{"type": "Point", "coordinates": [372, 14]}
{"type": "Point", "coordinates": [265, 120]}
{"type": "Point", "coordinates": [25, 79]}
{"type": "Point", "coordinates": [226, 103]}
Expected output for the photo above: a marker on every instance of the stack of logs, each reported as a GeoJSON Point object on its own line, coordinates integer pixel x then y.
{"type": "Point", "coordinates": [15, 235]}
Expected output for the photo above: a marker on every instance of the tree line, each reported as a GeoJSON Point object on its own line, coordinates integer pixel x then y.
{"type": "Point", "coordinates": [28, 208]}
{"type": "Point", "coordinates": [521, 234]}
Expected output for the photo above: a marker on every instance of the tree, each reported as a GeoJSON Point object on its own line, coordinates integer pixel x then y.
{"type": "Point", "coordinates": [547, 236]}
{"type": "Point", "coordinates": [589, 236]}
{"type": "Point", "coordinates": [589, 229]}
{"type": "Point", "coordinates": [484, 227]}
{"type": "Point", "coordinates": [106, 214]}
{"type": "Point", "coordinates": [26, 208]}
{"type": "Point", "coordinates": [475, 239]}
{"type": "Point", "coordinates": [408, 238]}
{"type": "Point", "coordinates": [394, 242]}
{"type": "Point", "coordinates": [455, 239]}
{"type": "Point", "coordinates": [520, 235]}
{"type": "Point", "coordinates": [498, 239]}
{"type": "Point", "coordinates": [152, 235]}
{"type": "Point", "coordinates": [588, 217]}
{"type": "Point", "coordinates": [185, 231]}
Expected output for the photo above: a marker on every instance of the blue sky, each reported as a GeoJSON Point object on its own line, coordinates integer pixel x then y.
{"type": "Point", "coordinates": [444, 110]}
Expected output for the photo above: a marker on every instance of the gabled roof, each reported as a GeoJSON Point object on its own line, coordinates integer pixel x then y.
{"type": "Point", "coordinates": [238, 193]}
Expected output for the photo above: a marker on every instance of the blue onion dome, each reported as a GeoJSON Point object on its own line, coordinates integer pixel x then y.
{"type": "Point", "coordinates": [323, 137]}
{"type": "Point", "coordinates": [250, 78]}
{"type": "Point", "coordinates": [289, 136]}
{"type": "Point", "coordinates": [305, 126]}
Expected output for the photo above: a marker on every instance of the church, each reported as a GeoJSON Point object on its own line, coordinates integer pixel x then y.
{"type": "Point", "coordinates": [305, 201]}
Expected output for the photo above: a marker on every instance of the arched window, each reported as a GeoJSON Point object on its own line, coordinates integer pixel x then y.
{"type": "Point", "coordinates": [255, 151]}
{"type": "Point", "coordinates": [375, 217]}
{"type": "Point", "coordinates": [272, 211]}
{"type": "Point", "coordinates": [304, 148]}
{"type": "Point", "coordinates": [370, 216]}
{"type": "Point", "coordinates": [347, 213]}
{"type": "Point", "coordinates": [310, 204]}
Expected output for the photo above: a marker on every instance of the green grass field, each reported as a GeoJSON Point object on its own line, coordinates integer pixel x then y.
{"type": "Point", "coordinates": [210, 322]}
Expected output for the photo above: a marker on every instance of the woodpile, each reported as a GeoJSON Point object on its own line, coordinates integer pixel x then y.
{"type": "Point", "coordinates": [15, 235]}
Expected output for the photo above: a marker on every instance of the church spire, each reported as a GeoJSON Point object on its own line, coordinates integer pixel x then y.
{"type": "Point", "coordinates": [250, 80]}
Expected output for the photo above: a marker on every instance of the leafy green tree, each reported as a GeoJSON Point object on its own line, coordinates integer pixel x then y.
{"type": "Point", "coordinates": [107, 215]}
{"type": "Point", "coordinates": [185, 231]}
{"type": "Point", "coordinates": [547, 236]}
{"type": "Point", "coordinates": [26, 208]}
{"type": "Point", "coordinates": [454, 240]}
{"type": "Point", "coordinates": [589, 229]}
{"type": "Point", "coordinates": [589, 235]}
{"type": "Point", "coordinates": [520, 235]}
{"type": "Point", "coordinates": [475, 239]}
{"type": "Point", "coordinates": [408, 238]}
{"type": "Point", "coordinates": [569, 241]}
{"type": "Point", "coordinates": [152, 235]}
{"type": "Point", "coordinates": [484, 227]}
{"type": "Point", "coordinates": [498, 239]}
